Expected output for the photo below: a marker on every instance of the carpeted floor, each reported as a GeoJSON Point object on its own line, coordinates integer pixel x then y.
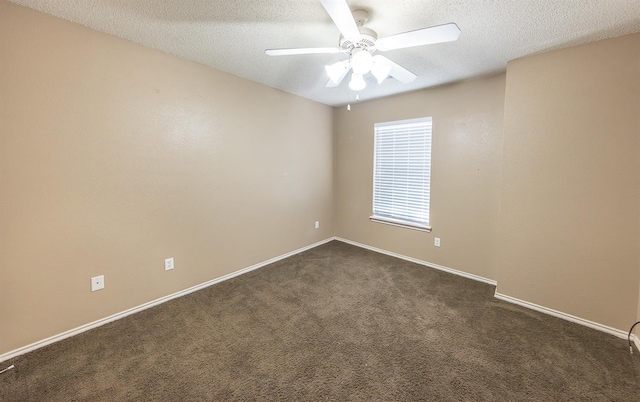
{"type": "Point", "coordinates": [335, 323]}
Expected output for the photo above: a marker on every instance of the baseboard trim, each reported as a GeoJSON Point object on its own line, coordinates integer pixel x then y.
{"type": "Point", "coordinates": [568, 317]}
{"type": "Point", "coordinates": [83, 328]}
{"type": "Point", "coordinates": [594, 325]}
{"type": "Point", "coordinates": [421, 262]}
{"type": "Point", "coordinates": [133, 310]}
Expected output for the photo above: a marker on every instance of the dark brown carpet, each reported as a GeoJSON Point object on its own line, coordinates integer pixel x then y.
{"type": "Point", "coordinates": [334, 323]}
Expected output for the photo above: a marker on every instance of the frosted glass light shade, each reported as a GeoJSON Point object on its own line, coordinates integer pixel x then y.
{"type": "Point", "coordinates": [361, 61]}
{"type": "Point", "coordinates": [336, 71]}
{"type": "Point", "coordinates": [380, 70]}
{"type": "Point", "coordinates": [357, 82]}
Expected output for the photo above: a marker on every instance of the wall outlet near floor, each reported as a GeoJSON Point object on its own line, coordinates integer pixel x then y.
{"type": "Point", "coordinates": [317, 224]}
{"type": "Point", "coordinates": [436, 242]}
{"type": "Point", "coordinates": [97, 283]}
{"type": "Point", "coordinates": [168, 264]}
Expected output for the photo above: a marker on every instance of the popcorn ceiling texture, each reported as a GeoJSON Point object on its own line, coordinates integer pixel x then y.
{"type": "Point", "coordinates": [231, 35]}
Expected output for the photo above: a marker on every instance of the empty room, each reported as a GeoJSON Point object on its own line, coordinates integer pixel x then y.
{"type": "Point", "coordinates": [340, 200]}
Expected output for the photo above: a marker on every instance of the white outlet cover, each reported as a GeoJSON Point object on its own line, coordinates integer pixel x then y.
{"type": "Point", "coordinates": [436, 242]}
{"type": "Point", "coordinates": [317, 224]}
{"type": "Point", "coordinates": [97, 283]}
{"type": "Point", "coordinates": [168, 264]}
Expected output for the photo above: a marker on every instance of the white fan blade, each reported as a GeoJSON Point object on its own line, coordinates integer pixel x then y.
{"type": "Point", "coordinates": [302, 50]}
{"type": "Point", "coordinates": [331, 84]}
{"type": "Point", "coordinates": [425, 36]}
{"type": "Point", "coordinates": [398, 72]}
{"type": "Point", "coordinates": [341, 15]}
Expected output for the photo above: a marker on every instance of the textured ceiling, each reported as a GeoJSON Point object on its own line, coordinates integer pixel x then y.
{"type": "Point", "coordinates": [232, 35]}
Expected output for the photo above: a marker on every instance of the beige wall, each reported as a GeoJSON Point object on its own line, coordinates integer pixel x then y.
{"type": "Point", "coordinates": [637, 331]}
{"type": "Point", "coordinates": [570, 192]}
{"type": "Point", "coordinates": [465, 180]}
{"type": "Point", "coordinates": [114, 157]}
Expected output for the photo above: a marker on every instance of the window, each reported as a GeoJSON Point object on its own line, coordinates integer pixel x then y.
{"type": "Point", "coordinates": [402, 173]}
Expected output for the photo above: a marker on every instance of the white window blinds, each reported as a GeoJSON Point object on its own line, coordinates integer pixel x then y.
{"type": "Point", "coordinates": [402, 172]}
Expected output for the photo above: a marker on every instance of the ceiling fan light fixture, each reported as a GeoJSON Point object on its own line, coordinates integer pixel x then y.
{"type": "Point", "coordinates": [380, 69]}
{"type": "Point", "coordinates": [336, 71]}
{"type": "Point", "coordinates": [361, 61]}
{"type": "Point", "coordinates": [360, 42]}
{"type": "Point", "coordinates": [357, 82]}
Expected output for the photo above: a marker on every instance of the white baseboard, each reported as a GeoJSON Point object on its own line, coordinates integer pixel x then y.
{"type": "Point", "coordinates": [600, 327]}
{"type": "Point", "coordinates": [421, 262]}
{"type": "Point", "coordinates": [117, 316]}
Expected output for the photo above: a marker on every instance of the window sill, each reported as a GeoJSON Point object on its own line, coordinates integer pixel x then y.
{"type": "Point", "coordinates": [399, 223]}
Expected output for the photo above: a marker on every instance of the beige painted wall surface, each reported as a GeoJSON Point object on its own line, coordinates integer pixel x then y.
{"type": "Point", "coordinates": [570, 195]}
{"type": "Point", "coordinates": [465, 179]}
{"type": "Point", "coordinates": [637, 331]}
{"type": "Point", "coordinates": [114, 157]}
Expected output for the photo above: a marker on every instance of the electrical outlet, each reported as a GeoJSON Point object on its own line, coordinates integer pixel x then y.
{"type": "Point", "coordinates": [97, 283]}
{"type": "Point", "coordinates": [317, 224]}
{"type": "Point", "coordinates": [168, 264]}
{"type": "Point", "coordinates": [437, 242]}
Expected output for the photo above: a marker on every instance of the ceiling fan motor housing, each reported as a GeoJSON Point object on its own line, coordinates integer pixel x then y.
{"type": "Point", "coordinates": [367, 41]}
{"type": "Point", "coordinates": [360, 42]}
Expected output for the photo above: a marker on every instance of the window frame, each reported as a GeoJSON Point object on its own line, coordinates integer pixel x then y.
{"type": "Point", "coordinates": [428, 120]}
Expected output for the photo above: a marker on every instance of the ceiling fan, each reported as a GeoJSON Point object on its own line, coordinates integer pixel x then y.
{"type": "Point", "coordinates": [360, 42]}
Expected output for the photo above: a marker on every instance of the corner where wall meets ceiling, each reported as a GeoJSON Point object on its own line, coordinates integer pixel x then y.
{"type": "Point", "coordinates": [232, 36]}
